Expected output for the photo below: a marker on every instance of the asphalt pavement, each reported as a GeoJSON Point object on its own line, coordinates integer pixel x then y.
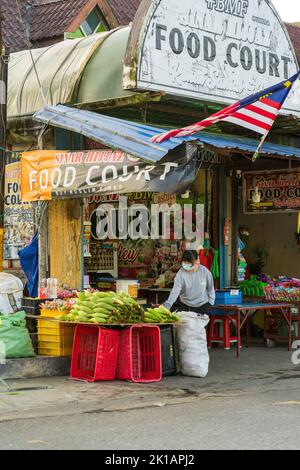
{"type": "Point", "coordinates": [251, 403]}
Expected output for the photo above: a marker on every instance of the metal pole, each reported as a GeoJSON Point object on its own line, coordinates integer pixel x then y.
{"type": "Point", "coordinates": [3, 111]}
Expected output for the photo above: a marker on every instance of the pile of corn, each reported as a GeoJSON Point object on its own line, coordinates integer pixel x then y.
{"type": "Point", "coordinates": [104, 307]}
{"type": "Point", "coordinates": [159, 315]}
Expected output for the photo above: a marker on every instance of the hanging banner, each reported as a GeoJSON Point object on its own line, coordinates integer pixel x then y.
{"type": "Point", "coordinates": [213, 50]}
{"type": "Point", "coordinates": [18, 216]}
{"type": "Point", "coordinates": [271, 191]}
{"type": "Point", "coordinates": [54, 174]}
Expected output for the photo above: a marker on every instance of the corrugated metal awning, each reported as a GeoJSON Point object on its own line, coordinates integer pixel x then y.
{"type": "Point", "coordinates": [135, 138]}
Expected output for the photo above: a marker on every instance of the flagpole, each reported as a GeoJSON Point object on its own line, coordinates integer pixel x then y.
{"type": "Point", "coordinates": [261, 143]}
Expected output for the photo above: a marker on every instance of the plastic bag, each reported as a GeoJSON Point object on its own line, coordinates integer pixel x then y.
{"type": "Point", "coordinates": [194, 357]}
{"type": "Point", "coordinates": [15, 336]}
{"type": "Point", "coordinates": [11, 293]}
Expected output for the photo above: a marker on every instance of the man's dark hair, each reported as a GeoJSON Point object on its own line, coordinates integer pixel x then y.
{"type": "Point", "coordinates": [190, 256]}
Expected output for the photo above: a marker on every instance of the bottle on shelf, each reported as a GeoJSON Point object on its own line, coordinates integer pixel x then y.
{"type": "Point", "coordinates": [42, 291]}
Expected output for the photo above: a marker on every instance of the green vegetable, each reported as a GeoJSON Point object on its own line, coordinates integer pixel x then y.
{"type": "Point", "coordinates": [82, 308]}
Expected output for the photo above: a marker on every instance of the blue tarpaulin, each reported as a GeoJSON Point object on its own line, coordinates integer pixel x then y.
{"type": "Point", "coordinates": [134, 138]}
{"type": "Point", "coordinates": [29, 259]}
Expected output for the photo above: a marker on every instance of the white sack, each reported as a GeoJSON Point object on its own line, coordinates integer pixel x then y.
{"type": "Point", "coordinates": [194, 357]}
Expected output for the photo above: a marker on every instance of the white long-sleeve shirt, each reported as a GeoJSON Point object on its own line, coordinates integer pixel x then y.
{"type": "Point", "coordinates": [193, 288]}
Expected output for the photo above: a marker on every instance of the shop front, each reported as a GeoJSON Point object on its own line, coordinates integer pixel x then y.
{"type": "Point", "coordinates": [113, 201]}
{"type": "Point", "coordinates": [130, 241]}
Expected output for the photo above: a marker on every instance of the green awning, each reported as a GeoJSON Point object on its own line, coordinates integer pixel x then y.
{"type": "Point", "coordinates": [88, 70]}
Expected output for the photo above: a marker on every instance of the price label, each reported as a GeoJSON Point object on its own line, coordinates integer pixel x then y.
{"type": "Point", "coordinates": [234, 292]}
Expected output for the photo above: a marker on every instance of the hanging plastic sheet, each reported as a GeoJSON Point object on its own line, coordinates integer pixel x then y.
{"type": "Point", "coordinates": [29, 259]}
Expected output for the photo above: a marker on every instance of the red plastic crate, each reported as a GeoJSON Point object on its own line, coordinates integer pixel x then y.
{"type": "Point", "coordinates": [140, 354]}
{"type": "Point", "coordinates": [95, 353]}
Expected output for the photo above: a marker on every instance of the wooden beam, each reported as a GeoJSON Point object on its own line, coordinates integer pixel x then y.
{"type": "Point", "coordinates": [65, 229]}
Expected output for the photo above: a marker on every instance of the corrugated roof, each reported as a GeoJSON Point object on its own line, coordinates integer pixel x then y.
{"type": "Point", "coordinates": [51, 18]}
{"type": "Point", "coordinates": [135, 138]}
{"type": "Point", "coordinates": [294, 33]}
{"type": "Point", "coordinates": [124, 10]}
{"type": "Point", "coordinates": [45, 19]}
{"type": "Point", "coordinates": [13, 31]}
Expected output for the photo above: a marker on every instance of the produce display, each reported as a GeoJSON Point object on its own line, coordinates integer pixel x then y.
{"type": "Point", "coordinates": [253, 287]}
{"type": "Point", "coordinates": [58, 305]}
{"type": "Point", "coordinates": [282, 294]}
{"type": "Point", "coordinates": [104, 307]}
{"type": "Point", "coordinates": [160, 315]}
{"type": "Point", "coordinates": [65, 294]}
{"type": "Point", "coordinates": [278, 289]}
{"type": "Point", "coordinates": [91, 306]}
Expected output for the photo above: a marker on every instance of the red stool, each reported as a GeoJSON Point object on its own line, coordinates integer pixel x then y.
{"type": "Point", "coordinates": [214, 332]}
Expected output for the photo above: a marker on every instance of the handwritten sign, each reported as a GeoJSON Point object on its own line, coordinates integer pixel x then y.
{"type": "Point", "coordinates": [18, 216]}
{"type": "Point", "coordinates": [214, 50]}
{"type": "Point", "coordinates": [272, 191]}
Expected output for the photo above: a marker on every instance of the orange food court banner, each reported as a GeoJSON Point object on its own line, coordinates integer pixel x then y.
{"type": "Point", "coordinates": [37, 174]}
{"type": "Point", "coordinates": [46, 175]}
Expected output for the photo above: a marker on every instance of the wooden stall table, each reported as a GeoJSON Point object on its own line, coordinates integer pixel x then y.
{"type": "Point", "coordinates": [245, 311]}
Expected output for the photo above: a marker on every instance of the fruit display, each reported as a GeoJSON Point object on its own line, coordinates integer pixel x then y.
{"type": "Point", "coordinates": [66, 294]}
{"type": "Point", "coordinates": [160, 315]}
{"type": "Point", "coordinates": [282, 294]}
{"type": "Point", "coordinates": [105, 308]}
{"type": "Point", "coordinates": [281, 289]}
{"type": "Point", "coordinates": [57, 305]}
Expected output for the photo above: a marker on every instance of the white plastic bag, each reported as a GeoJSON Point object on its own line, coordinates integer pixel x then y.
{"type": "Point", "coordinates": [11, 293]}
{"type": "Point", "coordinates": [191, 333]}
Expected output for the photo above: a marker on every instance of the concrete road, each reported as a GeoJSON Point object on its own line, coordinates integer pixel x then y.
{"type": "Point", "coordinates": [251, 403]}
{"type": "Point", "coordinates": [264, 420]}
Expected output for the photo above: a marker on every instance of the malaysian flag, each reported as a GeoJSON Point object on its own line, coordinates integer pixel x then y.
{"type": "Point", "coordinates": [257, 113]}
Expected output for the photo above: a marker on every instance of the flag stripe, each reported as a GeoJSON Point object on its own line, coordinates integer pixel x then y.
{"type": "Point", "coordinates": [263, 112]}
{"type": "Point", "coordinates": [253, 121]}
{"type": "Point", "coordinates": [257, 112]}
{"type": "Point", "coordinates": [271, 103]}
{"type": "Point", "coordinates": [247, 125]}
{"type": "Point", "coordinates": [264, 106]}
{"type": "Point", "coordinates": [256, 116]}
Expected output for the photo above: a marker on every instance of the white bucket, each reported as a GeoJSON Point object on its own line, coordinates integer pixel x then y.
{"type": "Point", "coordinates": [123, 284]}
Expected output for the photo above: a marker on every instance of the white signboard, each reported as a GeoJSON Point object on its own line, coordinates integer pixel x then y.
{"type": "Point", "coordinates": [215, 50]}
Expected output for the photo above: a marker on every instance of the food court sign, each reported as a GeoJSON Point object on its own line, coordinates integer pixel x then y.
{"type": "Point", "coordinates": [272, 191]}
{"type": "Point", "coordinates": [213, 50]}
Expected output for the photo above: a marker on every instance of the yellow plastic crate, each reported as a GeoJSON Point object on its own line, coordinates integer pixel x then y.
{"type": "Point", "coordinates": [51, 313]}
{"type": "Point", "coordinates": [47, 344]}
{"type": "Point", "coordinates": [51, 328]}
{"type": "Point", "coordinates": [55, 339]}
{"type": "Point", "coordinates": [54, 351]}
{"type": "Point", "coordinates": [48, 327]}
{"type": "Point", "coordinates": [60, 331]}
{"type": "Point", "coordinates": [65, 340]}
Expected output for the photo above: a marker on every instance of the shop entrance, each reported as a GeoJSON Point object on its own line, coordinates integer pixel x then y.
{"type": "Point", "coordinates": [268, 248]}
{"type": "Point", "coordinates": [153, 259]}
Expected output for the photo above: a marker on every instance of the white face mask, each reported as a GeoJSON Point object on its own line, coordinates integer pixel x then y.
{"type": "Point", "coordinates": [187, 266]}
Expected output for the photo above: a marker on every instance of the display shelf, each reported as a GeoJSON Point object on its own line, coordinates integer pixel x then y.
{"type": "Point", "coordinates": [104, 258]}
